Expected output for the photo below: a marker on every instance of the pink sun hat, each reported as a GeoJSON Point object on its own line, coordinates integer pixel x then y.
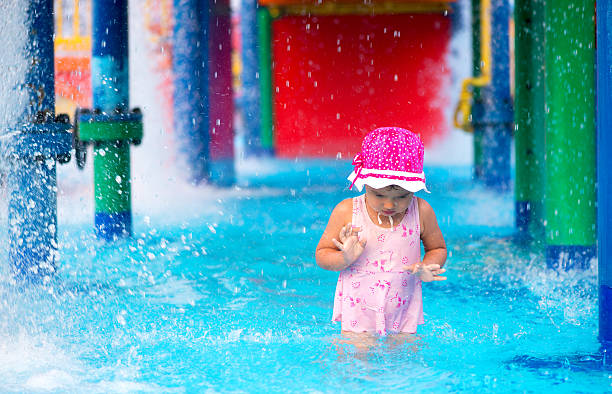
{"type": "Point", "coordinates": [390, 156]}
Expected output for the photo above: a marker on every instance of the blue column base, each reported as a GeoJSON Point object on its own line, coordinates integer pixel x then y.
{"type": "Point", "coordinates": [222, 172]}
{"type": "Point", "coordinates": [606, 354]}
{"type": "Point", "coordinates": [111, 226]}
{"type": "Point", "coordinates": [523, 215]}
{"type": "Point", "coordinates": [605, 319]}
{"type": "Point", "coordinates": [33, 263]}
{"type": "Point", "coordinates": [568, 257]}
{"type": "Point", "coordinates": [259, 151]}
{"type": "Point", "coordinates": [496, 147]}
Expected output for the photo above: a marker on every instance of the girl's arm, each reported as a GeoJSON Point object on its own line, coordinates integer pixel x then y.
{"type": "Point", "coordinates": [431, 236]}
{"type": "Point", "coordinates": [328, 255]}
{"type": "Point", "coordinates": [430, 269]}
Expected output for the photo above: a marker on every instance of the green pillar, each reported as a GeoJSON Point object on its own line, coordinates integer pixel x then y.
{"type": "Point", "coordinates": [529, 123]}
{"type": "Point", "coordinates": [112, 177]}
{"type": "Point", "coordinates": [570, 210]}
{"type": "Point", "coordinates": [111, 136]}
{"type": "Point", "coordinates": [264, 39]}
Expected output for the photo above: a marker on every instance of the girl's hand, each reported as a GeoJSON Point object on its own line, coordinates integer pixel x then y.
{"type": "Point", "coordinates": [427, 272]}
{"type": "Point", "coordinates": [350, 245]}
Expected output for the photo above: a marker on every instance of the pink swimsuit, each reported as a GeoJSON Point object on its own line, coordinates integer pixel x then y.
{"type": "Point", "coordinates": [375, 294]}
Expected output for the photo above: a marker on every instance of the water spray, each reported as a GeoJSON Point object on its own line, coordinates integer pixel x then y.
{"type": "Point", "coordinates": [31, 149]}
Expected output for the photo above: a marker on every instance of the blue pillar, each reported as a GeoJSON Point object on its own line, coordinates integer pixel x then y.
{"type": "Point", "coordinates": [191, 87]}
{"type": "Point", "coordinates": [492, 114]}
{"type": "Point", "coordinates": [604, 163]}
{"type": "Point", "coordinates": [32, 147]}
{"type": "Point", "coordinates": [250, 103]}
{"type": "Point", "coordinates": [110, 56]}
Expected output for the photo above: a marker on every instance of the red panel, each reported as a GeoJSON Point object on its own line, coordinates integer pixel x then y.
{"type": "Point", "coordinates": [73, 79]}
{"type": "Point", "coordinates": [338, 77]}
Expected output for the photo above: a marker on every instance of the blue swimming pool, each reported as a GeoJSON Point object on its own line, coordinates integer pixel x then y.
{"type": "Point", "coordinates": [224, 295]}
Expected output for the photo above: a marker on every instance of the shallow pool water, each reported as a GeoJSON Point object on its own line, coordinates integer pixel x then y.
{"type": "Point", "coordinates": [223, 294]}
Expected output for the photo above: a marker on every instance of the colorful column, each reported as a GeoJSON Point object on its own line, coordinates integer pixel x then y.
{"type": "Point", "coordinates": [604, 163]}
{"type": "Point", "coordinates": [31, 148]}
{"type": "Point", "coordinates": [477, 109]}
{"type": "Point", "coordinates": [492, 112]}
{"type": "Point", "coordinates": [111, 127]}
{"type": "Point", "coordinates": [264, 38]}
{"type": "Point", "coordinates": [249, 78]}
{"type": "Point", "coordinates": [191, 87]}
{"type": "Point", "coordinates": [529, 108]}
{"type": "Point", "coordinates": [570, 206]}
{"type": "Point", "coordinates": [221, 123]}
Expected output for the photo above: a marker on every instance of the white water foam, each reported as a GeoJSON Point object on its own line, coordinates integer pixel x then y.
{"type": "Point", "coordinates": [13, 34]}
{"type": "Point", "coordinates": [30, 361]}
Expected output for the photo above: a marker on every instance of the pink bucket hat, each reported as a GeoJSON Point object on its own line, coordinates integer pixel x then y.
{"type": "Point", "coordinates": [390, 156]}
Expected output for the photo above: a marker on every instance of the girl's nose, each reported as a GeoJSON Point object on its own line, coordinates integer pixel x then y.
{"type": "Point", "coordinates": [388, 204]}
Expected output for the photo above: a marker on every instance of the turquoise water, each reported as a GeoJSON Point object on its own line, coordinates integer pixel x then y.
{"type": "Point", "coordinates": [226, 296]}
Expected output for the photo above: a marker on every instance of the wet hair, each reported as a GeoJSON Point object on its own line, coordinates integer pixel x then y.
{"type": "Point", "coordinates": [393, 187]}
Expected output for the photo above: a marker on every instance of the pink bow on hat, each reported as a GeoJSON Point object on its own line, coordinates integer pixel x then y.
{"type": "Point", "coordinates": [358, 163]}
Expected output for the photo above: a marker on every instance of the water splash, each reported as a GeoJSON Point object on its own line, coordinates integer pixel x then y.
{"type": "Point", "coordinates": [13, 39]}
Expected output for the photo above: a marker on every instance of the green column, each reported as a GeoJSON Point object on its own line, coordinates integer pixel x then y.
{"type": "Point", "coordinates": [570, 132]}
{"type": "Point", "coordinates": [111, 136]}
{"type": "Point", "coordinates": [529, 108]}
{"type": "Point", "coordinates": [112, 177]}
{"type": "Point", "coordinates": [264, 39]}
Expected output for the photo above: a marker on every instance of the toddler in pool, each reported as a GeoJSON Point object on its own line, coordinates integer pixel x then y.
{"type": "Point", "coordinates": [375, 239]}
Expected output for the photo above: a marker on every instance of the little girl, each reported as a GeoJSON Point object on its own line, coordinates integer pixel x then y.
{"type": "Point", "coordinates": [374, 239]}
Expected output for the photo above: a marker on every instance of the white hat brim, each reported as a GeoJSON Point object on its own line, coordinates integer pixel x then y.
{"type": "Point", "coordinates": [379, 183]}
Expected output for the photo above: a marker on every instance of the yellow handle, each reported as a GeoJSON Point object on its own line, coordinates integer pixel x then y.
{"type": "Point", "coordinates": [462, 118]}
{"type": "Point", "coordinates": [463, 111]}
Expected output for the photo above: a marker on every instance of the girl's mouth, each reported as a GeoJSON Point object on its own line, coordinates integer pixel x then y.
{"type": "Point", "coordinates": [388, 213]}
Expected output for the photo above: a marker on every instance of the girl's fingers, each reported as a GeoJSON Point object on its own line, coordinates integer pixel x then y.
{"type": "Point", "coordinates": [428, 272]}
{"type": "Point", "coordinates": [341, 234]}
{"type": "Point", "coordinates": [338, 244]}
{"type": "Point", "coordinates": [346, 232]}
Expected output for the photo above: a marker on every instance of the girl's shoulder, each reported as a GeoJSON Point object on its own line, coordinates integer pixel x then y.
{"type": "Point", "coordinates": [344, 208]}
{"type": "Point", "coordinates": [424, 207]}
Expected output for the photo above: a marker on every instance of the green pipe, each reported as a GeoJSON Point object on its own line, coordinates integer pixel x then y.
{"type": "Point", "coordinates": [570, 210]}
{"type": "Point", "coordinates": [529, 123]}
{"type": "Point", "coordinates": [111, 136]}
{"type": "Point", "coordinates": [264, 39]}
{"type": "Point", "coordinates": [112, 177]}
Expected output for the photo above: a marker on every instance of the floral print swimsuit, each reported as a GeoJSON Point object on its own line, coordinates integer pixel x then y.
{"type": "Point", "coordinates": [375, 294]}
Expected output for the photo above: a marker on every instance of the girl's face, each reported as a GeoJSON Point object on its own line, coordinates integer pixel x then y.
{"type": "Point", "coordinates": [389, 200]}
